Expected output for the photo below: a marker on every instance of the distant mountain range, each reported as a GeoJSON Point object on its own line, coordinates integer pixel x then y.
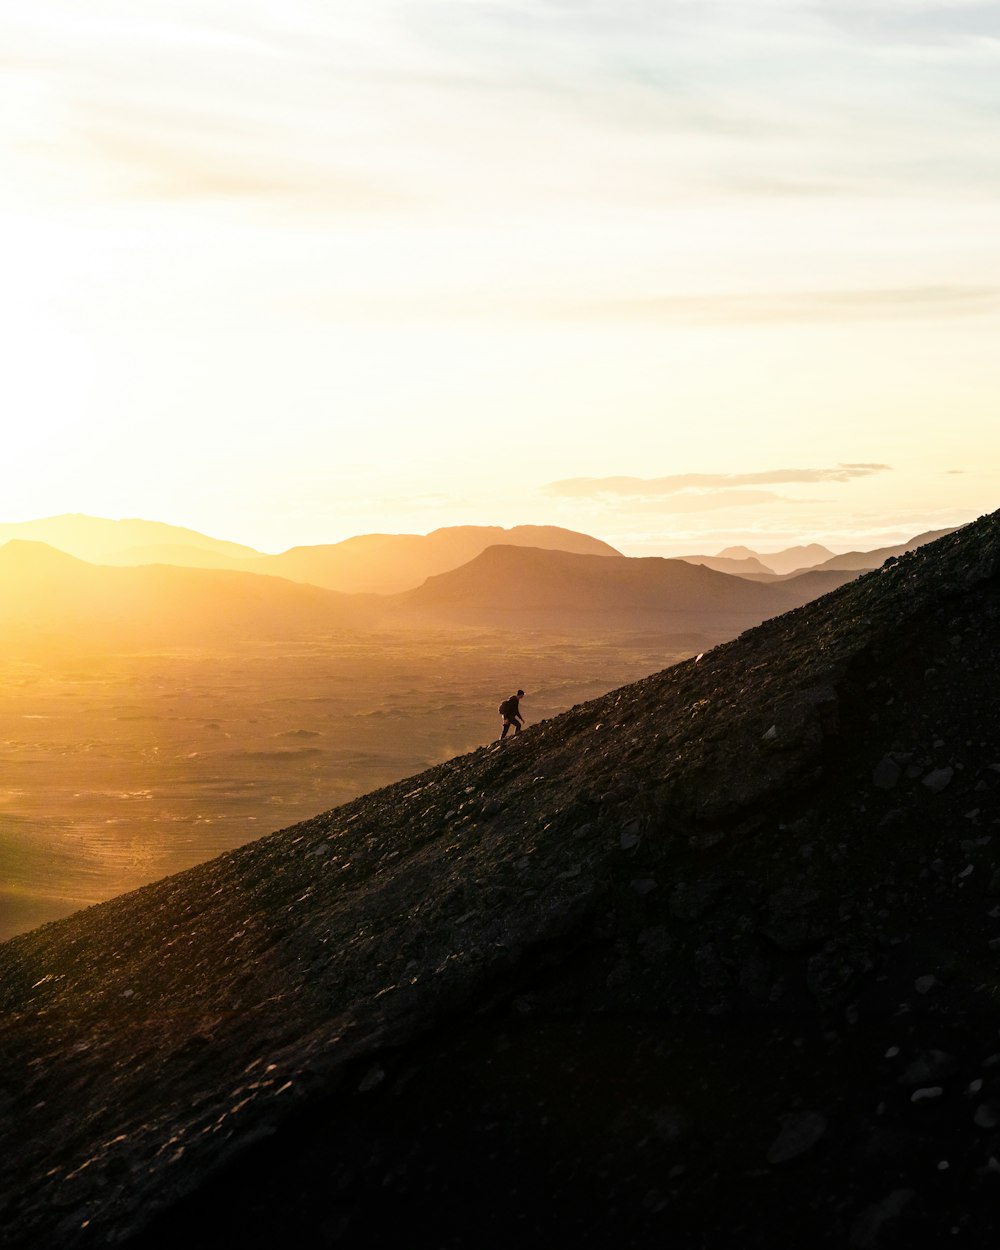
{"type": "Point", "coordinates": [387, 563]}
{"type": "Point", "coordinates": [557, 590]}
{"type": "Point", "coordinates": [775, 565]}
{"type": "Point", "coordinates": [104, 541]}
{"type": "Point", "coordinates": [787, 561]}
{"type": "Point", "coordinates": [368, 563]}
{"type": "Point", "coordinates": [49, 598]}
{"type": "Point", "coordinates": [858, 560]}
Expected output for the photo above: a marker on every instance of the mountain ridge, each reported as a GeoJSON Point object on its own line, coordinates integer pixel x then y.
{"type": "Point", "coordinates": [787, 560]}
{"type": "Point", "coordinates": [524, 587]}
{"type": "Point", "coordinates": [391, 563]}
{"type": "Point", "coordinates": [872, 559]}
{"type": "Point", "coordinates": [349, 566]}
{"type": "Point", "coordinates": [50, 597]}
{"type": "Point", "coordinates": [407, 559]}
{"type": "Point", "coordinates": [93, 538]}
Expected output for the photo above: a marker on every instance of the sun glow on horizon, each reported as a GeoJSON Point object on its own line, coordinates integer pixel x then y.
{"type": "Point", "coordinates": [286, 277]}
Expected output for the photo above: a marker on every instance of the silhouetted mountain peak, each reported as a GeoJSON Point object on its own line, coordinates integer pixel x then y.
{"type": "Point", "coordinates": [526, 587]}
{"type": "Point", "coordinates": [390, 563]}
{"type": "Point", "coordinates": [787, 560]}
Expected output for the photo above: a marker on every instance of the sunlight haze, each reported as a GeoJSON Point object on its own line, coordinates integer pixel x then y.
{"type": "Point", "coordinates": [288, 273]}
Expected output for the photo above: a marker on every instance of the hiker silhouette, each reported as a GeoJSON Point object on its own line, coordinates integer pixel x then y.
{"type": "Point", "coordinates": [510, 710]}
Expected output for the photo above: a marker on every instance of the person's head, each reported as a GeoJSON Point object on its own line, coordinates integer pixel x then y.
{"type": "Point", "coordinates": [520, 694]}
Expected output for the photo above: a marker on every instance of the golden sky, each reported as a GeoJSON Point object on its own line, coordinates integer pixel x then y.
{"type": "Point", "coordinates": [678, 274]}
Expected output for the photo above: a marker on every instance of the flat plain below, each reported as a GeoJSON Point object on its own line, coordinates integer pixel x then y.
{"type": "Point", "coordinates": [116, 770]}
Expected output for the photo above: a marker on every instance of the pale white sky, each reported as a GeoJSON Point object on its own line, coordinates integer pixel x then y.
{"type": "Point", "coordinates": [285, 272]}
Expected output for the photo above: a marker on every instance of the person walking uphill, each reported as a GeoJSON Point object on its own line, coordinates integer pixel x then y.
{"type": "Point", "coordinates": [510, 710]}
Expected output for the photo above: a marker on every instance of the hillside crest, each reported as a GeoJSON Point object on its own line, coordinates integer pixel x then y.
{"type": "Point", "coordinates": [748, 837]}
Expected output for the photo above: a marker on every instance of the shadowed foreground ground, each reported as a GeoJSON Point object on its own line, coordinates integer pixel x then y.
{"type": "Point", "coordinates": [707, 962]}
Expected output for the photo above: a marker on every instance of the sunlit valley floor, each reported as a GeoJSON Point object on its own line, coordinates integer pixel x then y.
{"type": "Point", "coordinates": [118, 770]}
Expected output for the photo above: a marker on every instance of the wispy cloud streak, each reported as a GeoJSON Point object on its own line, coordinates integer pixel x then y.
{"type": "Point", "coordinates": [787, 307]}
{"type": "Point", "coordinates": [702, 483]}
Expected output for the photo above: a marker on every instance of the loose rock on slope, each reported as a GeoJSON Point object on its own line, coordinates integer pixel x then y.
{"type": "Point", "coordinates": [649, 974]}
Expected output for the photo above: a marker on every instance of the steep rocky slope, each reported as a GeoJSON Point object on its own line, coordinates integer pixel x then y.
{"type": "Point", "coordinates": [711, 961]}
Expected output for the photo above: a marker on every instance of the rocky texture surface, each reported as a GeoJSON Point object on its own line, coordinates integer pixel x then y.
{"type": "Point", "coordinates": [711, 961]}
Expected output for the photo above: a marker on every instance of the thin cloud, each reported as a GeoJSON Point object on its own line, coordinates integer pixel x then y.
{"type": "Point", "coordinates": [710, 501]}
{"type": "Point", "coordinates": [175, 168]}
{"type": "Point", "coordinates": [794, 307]}
{"type": "Point", "coordinates": [701, 485]}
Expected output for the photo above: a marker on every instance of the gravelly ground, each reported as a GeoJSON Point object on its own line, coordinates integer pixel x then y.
{"type": "Point", "coordinates": [707, 962]}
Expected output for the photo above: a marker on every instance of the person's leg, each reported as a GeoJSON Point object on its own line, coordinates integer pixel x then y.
{"type": "Point", "coordinates": [503, 732]}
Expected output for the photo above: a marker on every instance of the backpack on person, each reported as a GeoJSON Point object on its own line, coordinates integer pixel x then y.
{"type": "Point", "coordinates": [506, 708]}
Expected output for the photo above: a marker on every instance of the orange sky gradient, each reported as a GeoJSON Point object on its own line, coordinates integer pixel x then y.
{"type": "Point", "coordinates": [679, 276]}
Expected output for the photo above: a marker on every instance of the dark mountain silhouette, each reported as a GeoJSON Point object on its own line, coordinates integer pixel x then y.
{"type": "Point", "coordinates": [788, 560]}
{"type": "Point", "coordinates": [99, 539]}
{"type": "Point", "coordinates": [49, 598]}
{"type": "Point", "coordinates": [709, 961]}
{"type": "Point", "coordinates": [861, 560]}
{"type": "Point", "coordinates": [388, 563]}
{"type": "Point", "coordinates": [526, 588]}
{"type": "Point", "coordinates": [812, 583]}
{"type": "Point", "coordinates": [368, 563]}
{"type": "Point", "coordinates": [739, 567]}
{"type": "Point", "coordinates": [839, 569]}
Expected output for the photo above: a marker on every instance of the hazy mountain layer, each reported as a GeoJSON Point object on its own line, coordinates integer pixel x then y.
{"type": "Point", "coordinates": [373, 563]}
{"type": "Point", "coordinates": [48, 598]}
{"type": "Point", "coordinates": [788, 560]}
{"type": "Point", "coordinates": [812, 583]}
{"type": "Point", "coordinates": [378, 563]}
{"type": "Point", "coordinates": [387, 563]}
{"type": "Point", "coordinates": [789, 563]}
{"type": "Point", "coordinates": [99, 539]}
{"type": "Point", "coordinates": [533, 589]}
{"type": "Point", "coordinates": [706, 962]}
{"type": "Point", "coordinates": [872, 559]}
{"type": "Point", "coordinates": [739, 567]}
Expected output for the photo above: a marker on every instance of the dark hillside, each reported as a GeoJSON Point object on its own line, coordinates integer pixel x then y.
{"type": "Point", "coordinates": [874, 559]}
{"type": "Point", "coordinates": [789, 560]}
{"type": "Point", "coordinates": [749, 567]}
{"type": "Point", "coordinates": [711, 961]}
{"type": "Point", "coordinates": [815, 582]}
{"type": "Point", "coordinates": [528, 588]}
{"type": "Point", "coordinates": [389, 563]}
